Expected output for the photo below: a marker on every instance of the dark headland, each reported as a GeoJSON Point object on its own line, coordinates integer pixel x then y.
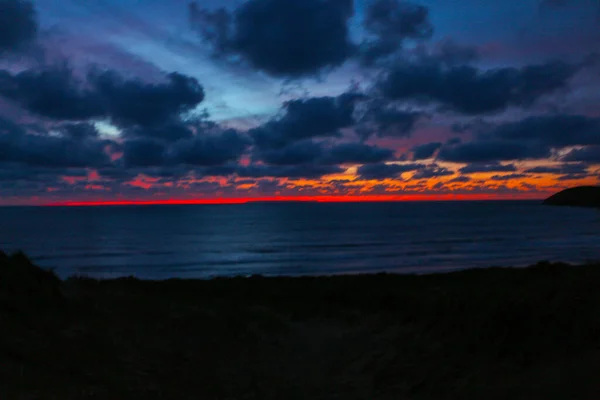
{"type": "Point", "coordinates": [497, 333]}
{"type": "Point", "coordinates": [583, 196]}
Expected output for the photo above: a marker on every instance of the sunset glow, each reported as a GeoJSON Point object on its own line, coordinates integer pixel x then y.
{"type": "Point", "coordinates": [391, 101]}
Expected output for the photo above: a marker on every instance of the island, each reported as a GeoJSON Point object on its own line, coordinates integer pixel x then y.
{"type": "Point", "coordinates": [583, 196]}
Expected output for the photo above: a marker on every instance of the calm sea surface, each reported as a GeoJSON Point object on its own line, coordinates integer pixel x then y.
{"type": "Point", "coordinates": [157, 242]}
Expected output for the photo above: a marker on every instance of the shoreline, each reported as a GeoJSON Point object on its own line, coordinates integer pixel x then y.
{"type": "Point", "coordinates": [494, 333]}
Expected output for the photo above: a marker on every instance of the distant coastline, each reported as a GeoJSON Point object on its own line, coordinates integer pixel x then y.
{"type": "Point", "coordinates": [582, 196]}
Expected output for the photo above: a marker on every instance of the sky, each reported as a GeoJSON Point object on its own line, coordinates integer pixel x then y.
{"type": "Point", "coordinates": [158, 101]}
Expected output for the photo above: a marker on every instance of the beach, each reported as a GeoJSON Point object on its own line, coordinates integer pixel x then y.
{"type": "Point", "coordinates": [498, 333]}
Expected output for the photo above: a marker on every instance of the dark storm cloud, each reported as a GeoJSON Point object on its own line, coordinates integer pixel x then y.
{"type": "Point", "coordinates": [133, 102]}
{"type": "Point", "coordinates": [309, 171]}
{"type": "Point", "coordinates": [531, 138]}
{"type": "Point", "coordinates": [218, 170]}
{"type": "Point", "coordinates": [357, 153]}
{"type": "Point", "coordinates": [391, 122]}
{"type": "Point", "coordinates": [284, 38]}
{"type": "Point", "coordinates": [118, 174]}
{"type": "Point", "coordinates": [451, 54]}
{"type": "Point", "coordinates": [468, 90]}
{"type": "Point", "coordinates": [562, 169]}
{"type": "Point", "coordinates": [51, 151]}
{"type": "Point", "coordinates": [554, 130]}
{"type": "Point", "coordinates": [209, 149]}
{"type": "Point", "coordinates": [307, 152]}
{"type": "Point", "coordinates": [397, 19]}
{"type": "Point", "coordinates": [67, 147]}
{"type": "Point", "coordinates": [56, 93]}
{"type": "Point", "coordinates": [432, 171]}
{"type": "Point", "coordinates": [385, 171]}
{"type": "Point", "coordinates": [14, 172]}
{"type": "Point", "coordinates": [143, 153]}
{"type": "Point", "coordinates": [492, 151]}
{"type": "Point", "coordinates": [589, 154]}
{"type": "Point", "coordinates": [483, 168]}
{"type": "Point", "coordinates": [304, 119]}
{"type": "Point", "coordinates": [391, 22]}
{"type": "Point", "coordinates": [170, 131]}
{"type": "Point", "coordinates": [18, 24]}
{"type": "Point", "coordinates": [425, 151]}
{"type": "Point", "coordinates": [302, 152]}
{"type": "Point", "coordinates": [79, 131]}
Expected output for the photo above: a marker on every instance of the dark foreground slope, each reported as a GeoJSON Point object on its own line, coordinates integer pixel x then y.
{"type": "Point", "coordinates": [583, 196]}
{"type": "Point", "coordinates": [483, 334]}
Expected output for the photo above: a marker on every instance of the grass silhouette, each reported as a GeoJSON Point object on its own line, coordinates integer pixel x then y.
{"type": "Point", "coordinates": [497, 333]}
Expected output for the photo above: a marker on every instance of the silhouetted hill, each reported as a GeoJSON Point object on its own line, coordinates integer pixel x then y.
{"type": "Point", "coordinates": [583, 196]}
{"type": "Point", "coordinates": [482, 334]}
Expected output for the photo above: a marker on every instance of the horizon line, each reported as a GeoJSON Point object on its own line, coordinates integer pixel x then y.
{"type": "Point", "coordinates": [285, 199]}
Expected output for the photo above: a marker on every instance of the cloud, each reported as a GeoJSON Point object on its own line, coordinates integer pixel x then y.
{"type": "Point", "coordinates": [169, 131]}
{"type": "Point", "coordinates": [18, 173]}
{"type": "Point", "coordinates": [425, 151]}
{"type": "Point", "coordinates": [209, 150]}
{"type": "Point", "coordinates": [432, 171]}
{"type": "Point", "coordinates": [503, 178]}
{"type": "Point", "coordinates": [309, 171]}
{"type": "Point", "coordinates": [468, 90]}
{"type": "Point", "coordinates": [398, 19]}
{"type": "Point", "coordinates": [386, 171]}
{"type": "Point", "coordinates": [306, 151]}
{"type": "Point", "coordinates": [554, 130]}
{"type": "Point", "coordinates": [79, 131]}
{"type": "Point", "coordinates": [589, 154]}
{"type": "Point", "coordinates": [391, 22]}
{"type": "Point", "coordinates": [450, 53]}
{"type": "Point", "coordinates": [284, 38]}
{"type": "Point", "coordinates": [36, 150]}
{"type": "Point", "coordinates": [485, 168]}
{"type": "Point", "coordinates": [305, 119]}
{"type": "Point", "coordinates": [133, 102]}
{"type": "Point", "coordinates": [120, 174]}
{"type": "Point", "coordinates": [388, 121]}
{"type": "Point", "coordinates": [144, 153]}
{"type": "Point", "coordinates": [460, 179]}
{"type": "Point", "coordinates": [491, 151]}
{"type": "Point", "coordinates": [357, 153]}
{"type": "Point", "coordinates": [531, 138]}
{"type": "Point", "coordinates": [55, 92]}
{"type": "Point", "coordinates": [562, 169]}
{"type": "Point", "coordinates": [18, 20]}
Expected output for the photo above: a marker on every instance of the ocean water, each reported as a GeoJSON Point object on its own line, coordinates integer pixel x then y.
{"type": "Point", "coordinates": [160, 242]}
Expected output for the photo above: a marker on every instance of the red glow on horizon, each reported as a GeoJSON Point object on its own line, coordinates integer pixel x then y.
{"type": "Point", "coordinates": [317, 199]}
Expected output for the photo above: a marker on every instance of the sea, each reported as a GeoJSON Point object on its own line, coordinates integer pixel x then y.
{"type": "Point", "coordinates": [272, 239]}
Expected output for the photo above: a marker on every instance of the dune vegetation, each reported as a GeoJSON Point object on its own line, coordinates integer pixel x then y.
{"type": "Point", "coordinates": [497, 333]}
